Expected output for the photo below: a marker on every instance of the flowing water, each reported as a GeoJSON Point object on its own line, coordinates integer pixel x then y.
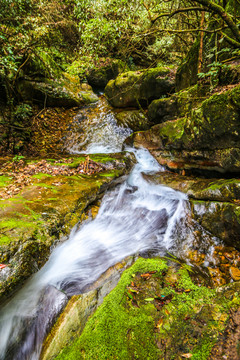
{"type": "Point", "coordinates": [95, 130]}
{"type": "Point", "coordinates": [136, 217]}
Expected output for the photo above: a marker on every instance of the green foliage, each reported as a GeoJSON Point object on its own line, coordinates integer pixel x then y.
{"type": "Point", "coordinates": [18, 158]}
{"type": "Point", "coordinates": [213, 73]}
{"type": "Point", "coordinates": [101, 36]}
{"type": "Point", "coordinates": [23, 112]}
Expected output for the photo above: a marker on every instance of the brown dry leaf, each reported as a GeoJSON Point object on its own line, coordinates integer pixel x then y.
{"type": "Point", "coordinates": [187, 356]}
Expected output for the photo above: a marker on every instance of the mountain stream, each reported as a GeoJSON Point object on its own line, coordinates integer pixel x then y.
{"type": "Point", "coordinates": [135, 218]}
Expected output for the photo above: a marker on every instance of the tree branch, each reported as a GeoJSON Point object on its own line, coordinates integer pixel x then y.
{"type": "Point", "coordinates": [217, 9]}
{"type": "Point", "coordinates": [183, 10]}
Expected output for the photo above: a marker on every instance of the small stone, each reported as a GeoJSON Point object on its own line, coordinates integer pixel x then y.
{"type": "Point", "coordinates": [235, 273]}
{"type": "Point", "coordinates": [229, 256]}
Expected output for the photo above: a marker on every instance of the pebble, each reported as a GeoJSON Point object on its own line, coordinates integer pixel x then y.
{"type": "Point", "coordinates": [235, 273]}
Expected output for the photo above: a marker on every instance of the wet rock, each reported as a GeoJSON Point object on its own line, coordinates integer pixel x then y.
{"type": "Point", "coordinates": [63, 92]}
{"type": "Point", "coordinates": [162, 110]}
{"type": "Point", "coordinates": [136, 88]}
{"type": "Point", "coordinates": [221, 219]}
{"type": "Point", "coordinates": [136, 120]}
{"type": "Point", "coordinates": [222, 190]}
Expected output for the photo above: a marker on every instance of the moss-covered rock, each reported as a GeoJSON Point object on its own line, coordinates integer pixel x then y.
{"type": "Point", "coordinates": [133, 119]}
{"type": "Point", "coordinates": [62, 92]}
{"type": "Point", "coordinates": [155, 312]}
{"type": "Point", "coordinates": [230, 74]}
{"type": "Point", "coordinates": [223, 190]}
{"type": "Point", "coordinates": [208, 137]}
{"type": "Point", "coordinates": [104, 71]}
{"type": "Point", "coordinates": [43, 211]}
{"type": "Point", "coordinates": [178, 105]}
{"type": "Point", "coordinates": [139, 88]}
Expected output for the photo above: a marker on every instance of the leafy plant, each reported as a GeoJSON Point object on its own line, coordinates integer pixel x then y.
{"type": "Point", "coordinates": [215, 68]}
{"type": "Point", "coordinates": [17, 158]}
{"type": "Point", "coordinates": [23, 112]}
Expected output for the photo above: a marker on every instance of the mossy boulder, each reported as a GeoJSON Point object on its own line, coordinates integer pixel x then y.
{"type": "Point", "coordinates": [103, 72]}
{"type": "Point", "coordinates": [222, 190]}
{"type": "Point", "coordinates": [62, 92]}
{"type": "Point", "coordinates": [133, 119]}
{"type": "Point", "coordinates": [177, 105]}
{"type": "Point", "coordinates": [139, 88]}
{"type": "Point", "coordinates": [208, 137]}
{"type": "Point", "coordinates": [155, 311]}
{"type": "Point", "coordinates": [46, 209]}
{"type": "Point", "coordinates": [230, 74]}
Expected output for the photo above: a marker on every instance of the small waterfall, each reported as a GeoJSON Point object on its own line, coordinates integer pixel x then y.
{"type": "Point", "coordinates": [95, 130]}
{"type": "Point", "coordinates": [136, 217]}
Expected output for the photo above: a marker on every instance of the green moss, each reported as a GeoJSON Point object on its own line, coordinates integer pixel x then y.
{"type": "Point", "coordinates": [49, 186]}
{"type": "Point", "coordinates": [173, 130]}
{"type": "Point", "coordinates": [112, 174]}
{"type": "Point", "coordinates": [4, 180]}
{"type": "Point", "coordinates": [102, 158]}
{"type": "Point", "coordinates": [4, 239]}
{"type": "Point", "coordinates": [41, 176]}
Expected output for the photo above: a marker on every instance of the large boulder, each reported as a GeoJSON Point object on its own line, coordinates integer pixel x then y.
{"type": "Point", "coordinates": [177, 105]}
{"type": "Point", "coordinates": [64, 92]}
{"type": "Point", "coordinates": [139, 88]}
{"type": "Point", "coordinates": [208, 138]}
{"type": "Point", "coordinates": [100, 75]}
{"type": "Point", "coordinates": [136, 120]}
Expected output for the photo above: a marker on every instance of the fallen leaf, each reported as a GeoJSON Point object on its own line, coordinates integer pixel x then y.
{"type": "Point", "coordinates": [187, 356]}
